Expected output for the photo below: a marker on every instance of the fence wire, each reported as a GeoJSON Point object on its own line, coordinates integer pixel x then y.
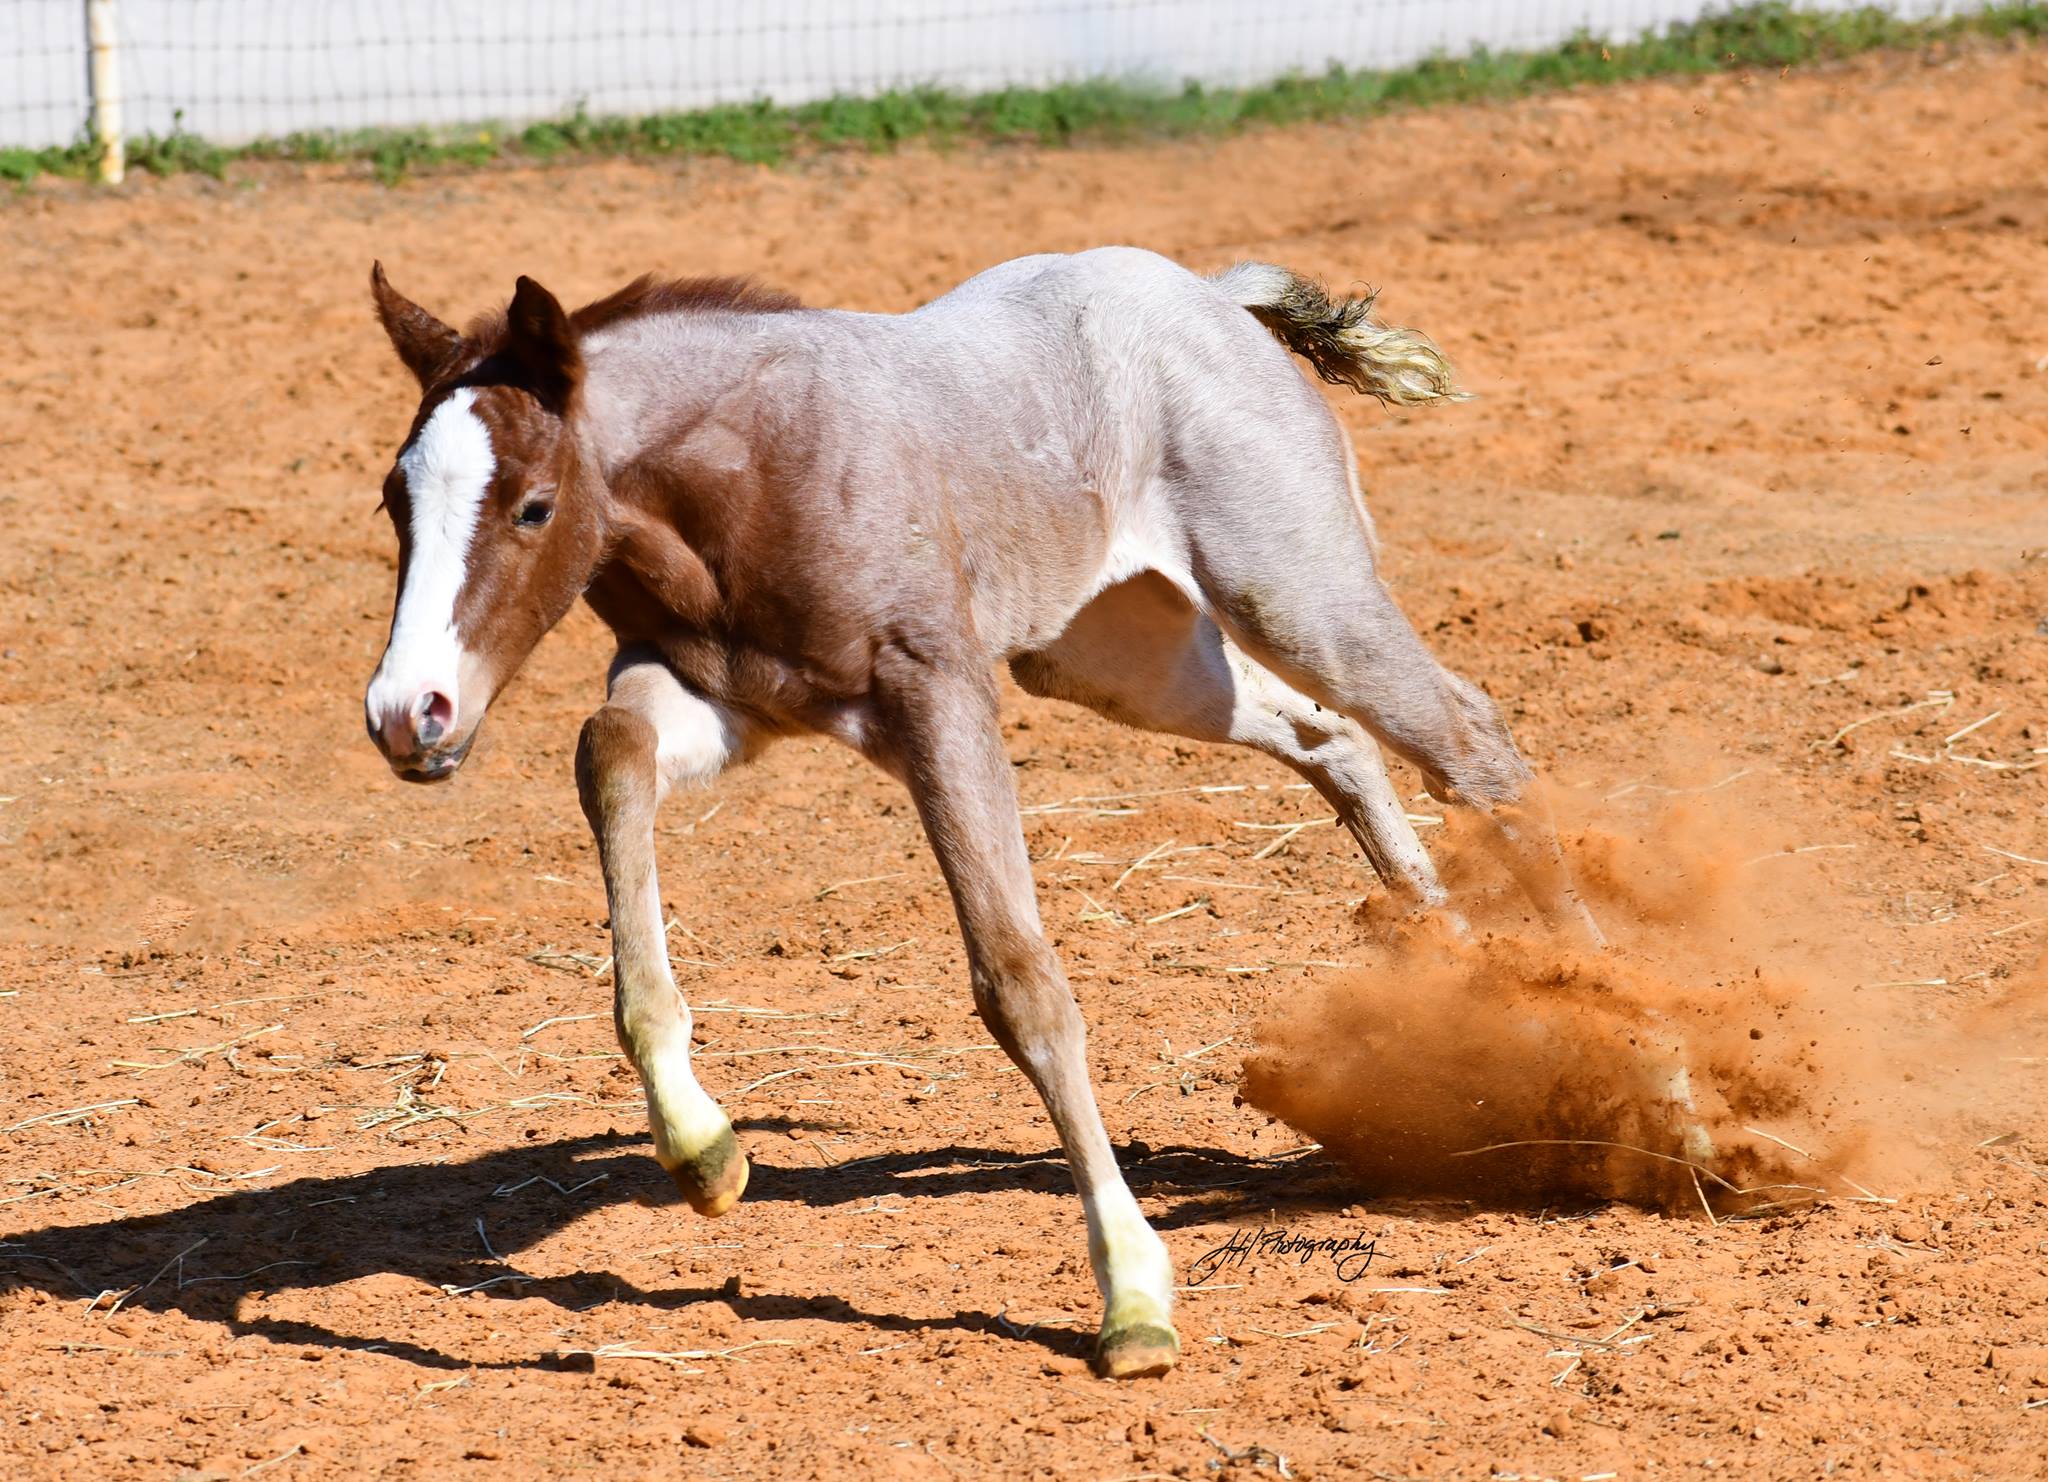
{"type": "Point", "coordinates": [233, 70]}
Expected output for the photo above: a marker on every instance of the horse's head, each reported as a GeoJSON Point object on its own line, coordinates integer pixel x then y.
{"type": "Point", "coordinates": [499, 522]}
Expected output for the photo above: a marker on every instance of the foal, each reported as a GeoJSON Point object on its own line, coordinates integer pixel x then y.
{"type": "Point", "coordinates": [1098, 468]}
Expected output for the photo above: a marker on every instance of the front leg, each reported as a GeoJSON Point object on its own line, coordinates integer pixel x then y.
{"type": "Point", "coordinates": [652, 733]}
{"type": "Point", "coordinates": [942, 738]}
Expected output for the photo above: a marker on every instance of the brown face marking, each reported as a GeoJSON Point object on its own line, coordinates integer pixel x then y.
{"type": "Point", "coordinates": [538, 538]}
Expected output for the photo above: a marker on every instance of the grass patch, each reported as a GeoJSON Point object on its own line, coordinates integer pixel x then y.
{"type": "Point", "coordinates": [1766, 35]}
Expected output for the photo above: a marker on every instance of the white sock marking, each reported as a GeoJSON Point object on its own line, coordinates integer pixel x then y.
{"type": "Point", "coordinates": [1129, 1257]}
{"type": "Point", "coordinates": [683, 1117]}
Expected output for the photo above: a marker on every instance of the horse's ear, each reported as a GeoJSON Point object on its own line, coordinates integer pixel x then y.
{"type": "Point", "coordinates": [542, 344]}
{"type": "Point", "coordinates": [424, 343]}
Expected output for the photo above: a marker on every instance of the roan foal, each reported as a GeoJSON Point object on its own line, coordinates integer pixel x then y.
{"type": "Point", "coordinates": [1100, 469]}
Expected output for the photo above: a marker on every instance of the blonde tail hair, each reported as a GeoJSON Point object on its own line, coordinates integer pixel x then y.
{"type": "Point", "coordinates": [1340, 338]}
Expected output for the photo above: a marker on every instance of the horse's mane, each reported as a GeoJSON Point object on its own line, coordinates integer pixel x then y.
{"type": "Point", "coordinates": [648, 295]}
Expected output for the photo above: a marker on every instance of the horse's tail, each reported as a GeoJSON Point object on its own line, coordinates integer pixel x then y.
{"type": "Point", "coordinates": [1340, 338]}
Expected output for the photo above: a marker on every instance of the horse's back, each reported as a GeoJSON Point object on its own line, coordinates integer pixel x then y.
{"type": "Point", "coordinates": [1145, 336]}
{"type": "Point", "coordinates": [1193, 388]}
{"type": "Point", "coordinates": [1122, 409]}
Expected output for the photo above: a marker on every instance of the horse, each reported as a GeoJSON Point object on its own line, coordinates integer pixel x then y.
{"type": "Point", "coordinates": [1100, 469]}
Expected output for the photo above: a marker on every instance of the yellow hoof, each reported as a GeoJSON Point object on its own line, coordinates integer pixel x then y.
{"type": "Point", "coordinates": [713, 1181]}
{"type": "Point", "coordinates": [1136, 1350]}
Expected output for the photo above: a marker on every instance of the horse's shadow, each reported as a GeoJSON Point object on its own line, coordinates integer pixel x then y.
{"type": "Point", "coordinates": [461, 1224]}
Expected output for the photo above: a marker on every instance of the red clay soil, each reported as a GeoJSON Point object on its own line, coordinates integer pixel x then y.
{"type": "Point", "coordinates": [318, 1157]}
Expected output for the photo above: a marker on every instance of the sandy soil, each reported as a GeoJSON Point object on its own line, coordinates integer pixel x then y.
{"type": "Point", "coordinates": [318, 1158]}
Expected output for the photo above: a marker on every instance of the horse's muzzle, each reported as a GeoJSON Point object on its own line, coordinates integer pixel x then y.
{"type": "Point", "coordinates": [415, 737]}
{"type": "Point", "coordinates": [433, 766]}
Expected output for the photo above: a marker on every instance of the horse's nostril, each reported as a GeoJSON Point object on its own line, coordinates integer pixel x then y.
{"type": "Point", "coordinates": [436, 714]}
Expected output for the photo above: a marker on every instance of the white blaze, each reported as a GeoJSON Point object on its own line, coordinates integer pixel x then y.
{"type": "Point", "coordinates": [447, 471]}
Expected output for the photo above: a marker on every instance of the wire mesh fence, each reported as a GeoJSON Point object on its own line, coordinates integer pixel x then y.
{"type": "Point", "coordinates": [234, 70]}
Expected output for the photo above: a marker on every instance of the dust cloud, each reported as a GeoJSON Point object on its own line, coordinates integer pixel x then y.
{"type": "Point", "coordinates": [1516, 1064]}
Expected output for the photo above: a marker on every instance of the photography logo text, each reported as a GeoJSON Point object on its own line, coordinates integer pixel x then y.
{"type": "Point", "coordinates": [1349, 1255]}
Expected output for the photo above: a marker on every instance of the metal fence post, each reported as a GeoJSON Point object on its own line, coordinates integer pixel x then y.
{"type": "Point", "coordinates": [104, 76]}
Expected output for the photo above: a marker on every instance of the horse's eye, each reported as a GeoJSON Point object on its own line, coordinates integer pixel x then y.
{"type": "Point", "coordinates": [535, 512]}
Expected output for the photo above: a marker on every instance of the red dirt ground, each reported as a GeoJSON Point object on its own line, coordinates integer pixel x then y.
{"type": "Point", "coordinates": [1761, 452]}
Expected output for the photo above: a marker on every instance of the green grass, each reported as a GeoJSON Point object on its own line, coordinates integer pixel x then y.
{"type": "Point", "coordinates": [1766, 35]}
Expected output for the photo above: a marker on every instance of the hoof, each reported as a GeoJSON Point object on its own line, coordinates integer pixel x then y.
{"type": "Point", "coordinates": [1692, 1132]}
{"type": "Point", "coordinates": [1137, 1351]}
{"type": "Point", "coordinates": [713, 1181]}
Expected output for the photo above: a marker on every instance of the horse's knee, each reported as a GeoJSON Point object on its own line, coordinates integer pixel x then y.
{"type": "Point", "coordinates": [1023, 998]}
{"type": "Point", "coordinates": [1010, 975]}
{"type": "Point", "coordinates": [615, 760]}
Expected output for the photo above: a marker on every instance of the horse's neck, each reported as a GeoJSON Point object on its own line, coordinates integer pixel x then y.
{"type": "Point", "coordinates": [645, 380]}
{"type": "Point", "coordinates": [648, 388]}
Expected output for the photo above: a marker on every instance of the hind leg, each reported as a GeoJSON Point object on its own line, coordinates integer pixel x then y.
{"type": "Point", "coordinates": [1290, 579]}
{"type": "Point", "coordinates": [1141, 654]}
{"type": "Point", "coordinates": [1363, 660]}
